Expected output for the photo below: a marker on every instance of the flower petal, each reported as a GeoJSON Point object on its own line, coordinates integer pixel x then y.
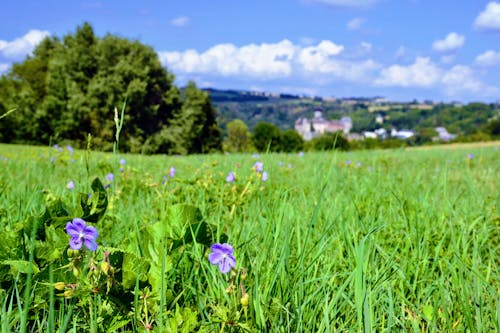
{"type": "Point", "coordinates": [215, 257]}
{"type": "Point", "coordinates": [90, 233]}
{"type": "Point", "coordinates": [75, 243]}
{"type": "Point", "coordinates": [74, 228]}
{"type": "Point", "coordinates": [90, 244]}
{"type": "Point", "coordinates": [225, 266]}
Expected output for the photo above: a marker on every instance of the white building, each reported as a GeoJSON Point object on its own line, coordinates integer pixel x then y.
{"type": "Point", "coordinates": [310, 128]}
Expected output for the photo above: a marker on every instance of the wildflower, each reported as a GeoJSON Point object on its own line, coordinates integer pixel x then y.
{"type": "Point", "coordinates": [230, 177]}
{"type": "Point", "coordinates": [264, 176]}
{"type": "Point", "coordinates": [172, 172]}
{"type": "Point", "coordinates": [70, 149]}
{"type": "Point", "coordinates": [258, 166]}
{"type": "Point", "coordinates": [301, 153]}
{"type": "Point", "coordinates": [110, 177]}
{"type": "Point", "coordinates": [122, 161]}
{"type": "Point", "coordinates": [165, 178]}
{"type": "Point", "coordinates": [280, 164]}
{"type": "Point", "coordinates": [348, 162]}
{"type": "Point", "coordinates": [81, 234]}
{"type": "Point", "coordinates": [255, 156]}
{"type": "Point", "coordinates": [470, 156]}
{"type": "Point", "coordinates": [122, 169]}
{"type": "Point", "coordinates": [52, 159]}
{"type": "Point", "coordinates": [70, 185]}
{"type": "Point", "coordinates": [222, 255]}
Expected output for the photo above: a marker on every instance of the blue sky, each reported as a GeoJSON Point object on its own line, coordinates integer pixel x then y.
{"type": "Point", "coordinates": [444, 50]}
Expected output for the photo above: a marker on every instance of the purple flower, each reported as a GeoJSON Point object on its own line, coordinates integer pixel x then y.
{"type": "Point", "coordinates": [258, 166]}
{"type": "Point", "coordinates": [122, 161]}
{"type": "Point", "coordinates": [301, 153]}
{"type": "Point", "coordinates": [165, 178]}
{"type": "Point", "coordinates": [222, 255]}
{"type": "Point", "coordinates": [471, 156]}
{"type": "Point", "coordinates": [264, 176]}
{"type": "Point", "coordinates": [110, 177]}
{"type": "Point", "coordinates": [280, 164]}
{"type": "Point", "coordinates": [172, 172]}
{"type": "Point", "coordinates": [348, 162]}
{"type": "Point", "coordinates": [122, 169]}
{"type": "Point", "coordinates": [81, 234]}
{"type": "Point", "coordinates": [230, 177]}
{"type": "Point", "coordinates": [70, 149]}
{"type": "Point", "coordinates": [70, 185]}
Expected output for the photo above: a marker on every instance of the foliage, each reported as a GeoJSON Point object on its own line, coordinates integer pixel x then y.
{"type": "Point", "coordinates": [328, 141]}
{"type": "Point", "coordinates": [291, 141]}
{"type": "Point", "coordinates": [238, 138]}
{"type": "Point", "coordinates": [70, 87]}
{"type": "Point", "coordinates": [266, 137]}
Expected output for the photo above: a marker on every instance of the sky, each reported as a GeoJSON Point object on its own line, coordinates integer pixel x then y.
{"type": "Point", "coordinates": [440, 50]}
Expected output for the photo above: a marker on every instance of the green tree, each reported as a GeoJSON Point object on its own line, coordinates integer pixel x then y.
{"type": "Point", "coordinates": [329, 141]}
{"type": "Point", "coordinates": [291, 141]}
{"type": "Point", "coordinates": [238, 137]}
{"type": "Point", "coordinates": [70, 87]}
{"type": "Point", "coordinates": [267, 136]}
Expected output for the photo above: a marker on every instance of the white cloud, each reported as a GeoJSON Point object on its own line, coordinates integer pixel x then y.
{"type": "Point", "coordinates": [180, 21]}
{"type": "Point", "coordinates": [320, 62]}
{"type": "Point", "coordinates": [22, 46]}
{"type": "Point", "coordinates": [488, 58]}
{"type": "Point", "coordinates": [400, 52]}
{"type": "Point", "coordinates": [355, 23]}
{"type": "Point", "coordinates": [347, 3]}
{"type": "Point", "coordinates": [4, 68]}
{"type": "Point", "coordinates": [448, 59]}
{"type": "Point", "coordinates": [452, 42]}
{"type": "Point", "coordinates": [423, 73]}
{"type": "Point", "coordinates": [460, 79]}
{"type": "Point", "coordinates": [264, 60]}
{"type": "Point", "coordinates": [489, 18]}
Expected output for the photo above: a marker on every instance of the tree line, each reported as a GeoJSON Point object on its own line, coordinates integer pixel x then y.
{"type": "Point", "coordinates": [70, 87]}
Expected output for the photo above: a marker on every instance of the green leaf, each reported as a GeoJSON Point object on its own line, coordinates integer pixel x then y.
{"type": "Point", "coordinates": [94, 207]}
{"type": "Point", "coordinates": [179, 217]}
{"type": "Point", "coordinates": [133, 268]}
{"type": "Point", "coordinates": [21, 266]}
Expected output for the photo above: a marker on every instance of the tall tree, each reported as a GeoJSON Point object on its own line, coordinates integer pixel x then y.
{"type": "Point", "coordinates": [238, 137]}
{"type": "Point", "coordinates": [70, 87]}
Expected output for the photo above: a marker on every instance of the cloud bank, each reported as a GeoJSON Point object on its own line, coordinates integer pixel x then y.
{"type": "Point", "coordinates": [22, 46]}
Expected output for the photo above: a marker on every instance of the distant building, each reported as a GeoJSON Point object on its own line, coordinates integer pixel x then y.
{"type": "Point", "coordinates": [310, 128]}
{"type": "Point", "coordinates": [443, 134]}
{"type": "Point", "coordinates": [402, 134]}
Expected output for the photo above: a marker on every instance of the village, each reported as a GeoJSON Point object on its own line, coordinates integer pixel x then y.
{"type": "Point", "coordinates": [318, 125]}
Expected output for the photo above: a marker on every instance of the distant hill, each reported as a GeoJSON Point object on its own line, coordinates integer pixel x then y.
{"type": "Point", "coordinates": [284, 109]}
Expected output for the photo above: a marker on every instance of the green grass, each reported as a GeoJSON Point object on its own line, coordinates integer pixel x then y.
{"type": "Point", "coordinates": [405, 241]}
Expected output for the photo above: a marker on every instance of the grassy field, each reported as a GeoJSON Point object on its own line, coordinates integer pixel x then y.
{"type": "Point", "coordinates": [382, 241]}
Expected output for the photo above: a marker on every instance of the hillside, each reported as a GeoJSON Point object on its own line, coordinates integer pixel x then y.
{"type": "Point", "coordinates": [284, 109]}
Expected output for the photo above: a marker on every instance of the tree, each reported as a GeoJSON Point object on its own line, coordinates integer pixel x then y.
{"type": "Point", "coordinates": [329, 141]}
{"type": "Point", "coordinates": [238, 137]}
{"type": "Point", "coordinates": [267, 136]}
{"type": "Point", "coordinates": [70, 87]}
{"type": "Point", "coordinates": [291, 141]}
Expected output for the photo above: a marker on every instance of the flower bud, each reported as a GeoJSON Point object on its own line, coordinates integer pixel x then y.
{"type": "Point", "coordinates": [105, 267]}
{"type": "Point", "coordinates": [244, 300]}
{"type": "Point", "coordinates": [72, 253]}
{"type": "Point", "coordinates": [76, 272]}
{"type": "Point", "coordinates": [59, 285]}
{"type": "Point", "coordinates": [68, 293]}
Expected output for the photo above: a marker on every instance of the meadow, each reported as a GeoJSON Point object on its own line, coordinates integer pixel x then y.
{"type": "Point", "coordinates": [372, 241]}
